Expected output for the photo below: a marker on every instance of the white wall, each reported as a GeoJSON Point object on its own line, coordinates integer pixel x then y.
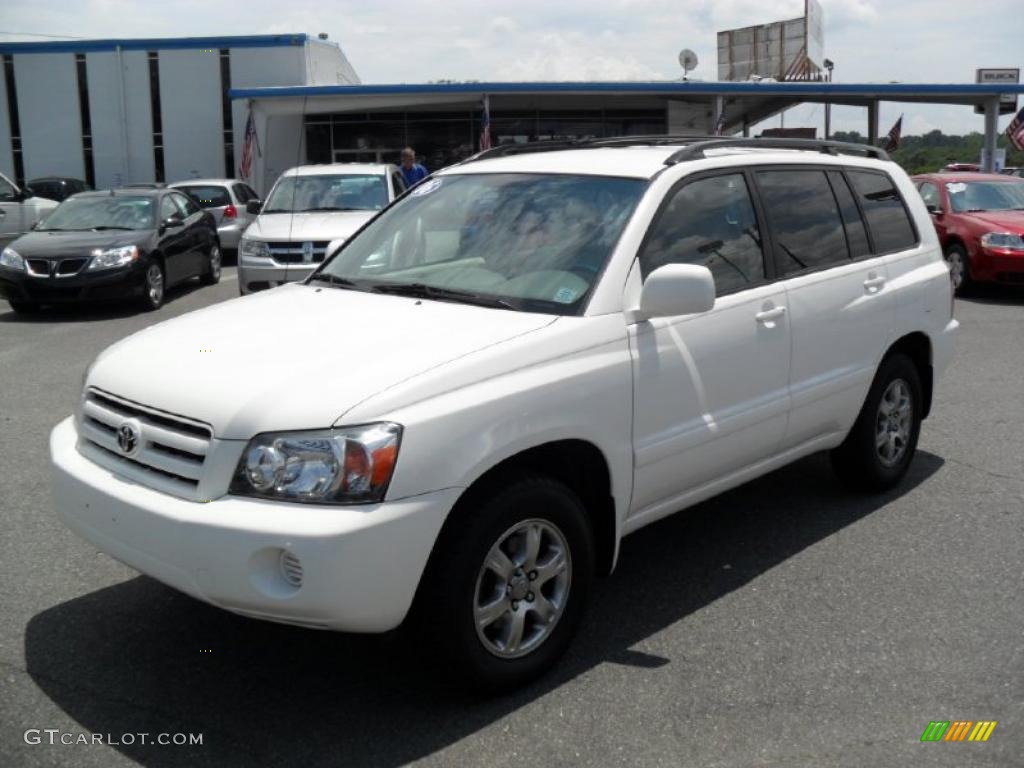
{"type": "Point", "coordinates": [283, 143]}
{"type": "Point", "coordinates": [6, 158]}
{"type": "Point", "coordinates": [51, 127]}
{"type": "Point", "coordinates": [191, 113]}
{"type": "Point", "coordinates": [327, 65]}
{"type": "Point", "coordinates": [116, 160]}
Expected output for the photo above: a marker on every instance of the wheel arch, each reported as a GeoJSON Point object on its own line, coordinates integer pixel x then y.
{"type": "Point", "coordinates": [918, 347]}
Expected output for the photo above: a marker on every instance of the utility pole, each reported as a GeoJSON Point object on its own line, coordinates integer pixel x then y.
{"type": "Point", "coordinates": [829, 64]}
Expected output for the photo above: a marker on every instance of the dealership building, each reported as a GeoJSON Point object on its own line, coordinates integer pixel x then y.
{"type": "Point", "coordinates": [115, 112]}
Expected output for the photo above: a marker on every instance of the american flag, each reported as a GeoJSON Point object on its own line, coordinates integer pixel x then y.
{"type": "Point", "coordinates": [894, 136]}
{"type": "Point", "coordinates": [1015, 130]}
{"type": "Point", "coordinates": [251, 140]}
{"type": "Point", "coordinates": [485, 125]}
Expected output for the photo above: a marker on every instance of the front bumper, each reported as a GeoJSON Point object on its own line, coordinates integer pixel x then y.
{"type": "Point", "coordinates": [260, 274]}
{"type": "Point", "coordinates": [998, 264]}
{"type": "Point", "coordinates": [84, 286]}
{"type": "Point", "coordinates": [360, 564]}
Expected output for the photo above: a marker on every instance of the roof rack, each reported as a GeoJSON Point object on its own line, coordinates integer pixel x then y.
{"type": "Point", "coordinates": [696, 150]}
{"type": "Point", "coordinates": [694, 146]}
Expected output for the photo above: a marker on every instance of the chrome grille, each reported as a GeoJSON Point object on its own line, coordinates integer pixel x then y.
{"type": "Point", "coordinates": [291, 252]}
{"type": "Point", "coordinates": [56, 267]}
{"type": "Point", "coordinates": [171, 450]}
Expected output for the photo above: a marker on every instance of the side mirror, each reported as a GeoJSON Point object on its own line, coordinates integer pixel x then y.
{"type": "Point", "coordinates": [677, 289]}
{"type": "Point", "coordinates": [27, 192]}
{"type": "Point", "coordinates": [254, 207]}
{"type": "Point", "coordinates": [173, 221]}
{"type": "Point", "coordinates": [933, 208]}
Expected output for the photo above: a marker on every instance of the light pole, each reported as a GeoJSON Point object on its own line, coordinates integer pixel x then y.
{"type": "Point", "coordinates": [829, 64]}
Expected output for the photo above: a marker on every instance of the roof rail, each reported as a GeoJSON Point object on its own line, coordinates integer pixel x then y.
{"type": "Point", "coordinates": [696, 150]}
{"type": "Point", "coordinates": [552, 145]}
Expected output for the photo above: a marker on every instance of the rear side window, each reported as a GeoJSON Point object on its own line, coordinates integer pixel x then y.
{"type": "Point", "coordinates": [209, 196]}
{"type": "Point", "coordinates": [710, 222]}
{"type": "Point", "coordinates": [243, 193]}
{"type": "Point", "coordinates": [805, 220]}
{"type": "Point", "coordinates": [888, 221]}
{"type": "Point", "coordinates": [856, 235]}
{"type": "Point", "coordinates": [930, 195]}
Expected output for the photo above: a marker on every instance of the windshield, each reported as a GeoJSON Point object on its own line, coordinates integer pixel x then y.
{"type": "Point", "coordinates": [208, 196]}
{"type": "Point", "coordinates": [531, 242]}
{"type": "Point", "coordinates": [113, 212]}
{"type": "Point", "coordinates": [985, 195]}
{"type": "Point", "coordinates": [328, 192]}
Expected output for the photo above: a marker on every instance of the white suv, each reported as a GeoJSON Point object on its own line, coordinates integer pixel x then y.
{"type": "Point", "coordinates": [310, 211]}
{"type": "Point", "coordinates": [534, 353]}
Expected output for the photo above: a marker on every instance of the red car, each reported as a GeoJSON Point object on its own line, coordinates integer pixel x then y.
{"type": "Point", "coordinates": [980, 221]}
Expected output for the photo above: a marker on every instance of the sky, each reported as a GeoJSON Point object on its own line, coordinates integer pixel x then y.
{"type": "Point", "coordinates": [417, 40]}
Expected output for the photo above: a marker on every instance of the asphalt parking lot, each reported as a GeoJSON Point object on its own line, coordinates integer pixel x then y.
{"type": "Point", "coordinates": [786, 623]}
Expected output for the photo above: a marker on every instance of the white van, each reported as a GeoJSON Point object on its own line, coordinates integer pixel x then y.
{"type": "Point", "coordinates": [461, 413]}
{"type": "Point", "coordinates": [310, 211]}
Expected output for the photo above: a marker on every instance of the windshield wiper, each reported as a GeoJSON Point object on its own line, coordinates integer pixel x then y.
{"type": "Point", "coordinates": [423, 291]}
{"type": "Point", "coordinates": [276, 210]}
{"type": "Point", "coordinates": [340, 282]}
{"type": "Point", "coordinates": [331, 208]}
{"type": "Point", "coordinates": [104, 227]}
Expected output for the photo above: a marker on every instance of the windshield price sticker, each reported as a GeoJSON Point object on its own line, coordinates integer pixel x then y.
{"type": "Point", "coordinates": [956, 187]}
{"type": "Point", "coordinates": [426, 187]}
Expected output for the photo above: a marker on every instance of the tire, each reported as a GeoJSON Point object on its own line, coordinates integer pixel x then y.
{"type": "Point", "coordinates": [892, 411]}
{"type": "Point", "coordinates": [213, 266]}
{"type": "Point", "coordinates": [24, 307]}
{"type": "Point", "coordinates": [154, 286]}
{"type": "Point", "coordinates": [461, 590]}
{"type": "Point", "coordinates": [959, 269]}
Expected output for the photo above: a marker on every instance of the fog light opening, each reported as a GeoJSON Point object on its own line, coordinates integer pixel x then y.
{"type": "Point", "coordinates": [291, 568]}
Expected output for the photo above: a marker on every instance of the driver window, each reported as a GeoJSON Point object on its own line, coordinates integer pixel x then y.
{"type": "Point", "coordinates": [710, 222]}
{"type": "Point", "coordinates": [7, 191]}
{"type": "Point", "coordinates": [168, 209]}
{"type": "Point", "coordinates": [930, 195]}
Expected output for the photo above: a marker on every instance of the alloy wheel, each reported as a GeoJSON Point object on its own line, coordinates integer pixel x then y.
{"type": "Point", "coordinates": [155, 284]}
{"type": "Point", "coordinates": [893, 422]}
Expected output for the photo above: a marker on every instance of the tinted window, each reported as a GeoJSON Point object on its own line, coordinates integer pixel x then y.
{"type": "Point", "coordinates": [397, 184]}
{"type": "Point", "coordinates": [804, 219]}
{"type": "Point", "coordinates": [856, 235]}
{"type": "Point", "coordinates": [187, 204]}
{"type": "Point", "coordinates": [208, 196]}
{"type": "Point", "coordinates": [930, 195]}
{"type": "Point", "coordinates": [241, 193]}
{"type": "Point", "coordinates": [709, 222]}
{"type": "Point", "coordinates": [883, 208]}
{"type": "Point", "coordinates": [168, 208]}
{"type": "Point", "coordinates": [6, 190]}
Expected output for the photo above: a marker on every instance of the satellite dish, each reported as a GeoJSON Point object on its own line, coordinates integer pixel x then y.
{"type": "Point", "coordinates": [687, 60]}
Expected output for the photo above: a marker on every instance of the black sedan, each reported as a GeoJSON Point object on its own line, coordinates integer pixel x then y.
{"type": "Point", "coordinates": [57, 187]}
{"type": "Point", "coordinates": [111, 245]}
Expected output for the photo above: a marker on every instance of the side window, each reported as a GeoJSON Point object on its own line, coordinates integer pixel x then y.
{"type": "Point", "coordinates": [887, 217]}
{"type": "Point", "coordinates": [856, 235]}
{"type": "Point", "coordinates": [710, 222]}
{"type": "Point", "coordinates": [804, 219]}
{"type": "Point", "coordinates": [7, 191]}
{"type": "Point", "coordinates": [930, 195]}
{"type": "Point", "coordinates": [168, 208]}
{"type": "Point", "coordinates": [241, 193]}
{"type": "Point", "coordinates": [252, 193]}
{"type": "Point", "coordinates": [187, 205]}
{"type": "Point", "coordinates": [397, 184]}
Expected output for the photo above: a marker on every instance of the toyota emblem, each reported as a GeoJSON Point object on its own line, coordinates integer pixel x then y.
{"type": "Point", "coordinates": [128, 438]}
{"type": "Point", "coordinates": [307, 252]}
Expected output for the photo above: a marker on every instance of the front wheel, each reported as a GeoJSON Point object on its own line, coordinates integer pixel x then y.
{"type": "Point", "coordinates": [510, 582]}
{"type": "Point", "coordinates": [959, 269]}
{"type": "Point", "coordinates": [877, 453]}
{"type": "Point", "coordinates": [212, 274]}
{"type": "Point", "coordinates": [153, 287]}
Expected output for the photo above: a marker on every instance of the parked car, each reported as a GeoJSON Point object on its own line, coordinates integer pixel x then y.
{"type": "Point", "coordinates": [310, 211]}
{"type": "Point", "coordinates": [57, 188]}
{"type": "Point", "coordinates": [111, 245]}
{"type": "Point", "coordinates": [226, 200]}
{"type": "Point", "coordinates": [1013, 172]}
{"type": "Point", "coordinates": [979, 218]}
{"type": "Point", "coordinates": [960, 168]}
{"type": "Point", "coordinates": [20, 209]}
{"type": "Point", "coordinates": [460, 414]}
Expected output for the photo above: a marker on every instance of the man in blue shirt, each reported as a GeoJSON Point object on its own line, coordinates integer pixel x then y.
{"type": "Point", "coordinates": [412, 171]}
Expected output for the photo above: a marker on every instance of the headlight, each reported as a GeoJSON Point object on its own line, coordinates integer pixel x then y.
{"type": "Point", "coordinates": [332, 466]}
{"type": "Point", "coordinates": [11, 259]}
{"type": "Point", "coordinates": [254, 248]}
{"type": "Point", "coordinates": [108, 258]}
{"type": "Point", "coordinates": [1003, 240]}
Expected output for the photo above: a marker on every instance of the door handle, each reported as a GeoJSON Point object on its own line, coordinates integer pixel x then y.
{"type": "Point", "coordinates": [874, 284]}
{"type": "Point", "coordinates": [768, 315]}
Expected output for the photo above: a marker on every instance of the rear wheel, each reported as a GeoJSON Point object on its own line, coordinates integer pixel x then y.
{"type": "Point", "coordinates": [877, 453]}
{"type": "Point", "coordinates": [959, 269]}
{"type": "Point", "coordinates": [213, 266]}
{"type": "Point", "coordinates": [153, 287]}
{"type": "Point", "coordinates": [509, 583]}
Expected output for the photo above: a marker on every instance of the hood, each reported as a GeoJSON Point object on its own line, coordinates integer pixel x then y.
{"type": "Point", "coordinates": [295, 357]}
{"type": "Point", "coordinates": [1006, 221]}
{"type": "Point", "coordinates": [324, 225]}
{"type": "Point", "coordinates": [42, 244]}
